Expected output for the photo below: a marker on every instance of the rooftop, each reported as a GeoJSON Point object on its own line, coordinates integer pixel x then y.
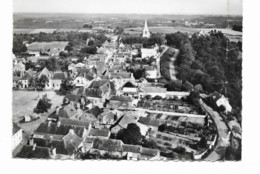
{"type": "Point", "coordinates": [38, 152]}
{"type": "Point", "coordinates": [99, 132]}
{"type": "Point", "coordinates": [107, 144]}
{"type": "Point", "coordinates": [149, 121]}
{"type": "Point", "coordinates": [59, 76]}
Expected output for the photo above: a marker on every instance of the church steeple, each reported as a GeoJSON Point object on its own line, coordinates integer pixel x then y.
{"type": "Point", "coordinates": [146, 32]}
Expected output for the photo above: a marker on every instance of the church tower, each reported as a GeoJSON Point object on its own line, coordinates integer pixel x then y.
{"type": "Point", "coordinates": [146, 32]}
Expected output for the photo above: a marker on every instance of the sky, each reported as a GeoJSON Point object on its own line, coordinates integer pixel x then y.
{"type": "Point", "coordinates": [221, 7]}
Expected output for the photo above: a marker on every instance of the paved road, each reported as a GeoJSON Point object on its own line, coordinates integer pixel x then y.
{"type": "Point", "coordinates": [223, 140]}
{"type": "Point", "coordinates": [158, 61]}
{"type": "Point", "coordinates": [172, 68]}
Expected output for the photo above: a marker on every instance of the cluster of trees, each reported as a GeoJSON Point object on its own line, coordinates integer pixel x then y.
{"type": "Point", "coordinates": [87, 26]}
{"type": "Point", "coordinates": [38, 83]}
{"type": "Point", "coordinates": [43, 105]}
{"type": "Point", "coordinates": [147, 42]}
{"type": "Point", "coordinates": [237, 27]}
{"type": "Point", "coordinates": [202, 60]}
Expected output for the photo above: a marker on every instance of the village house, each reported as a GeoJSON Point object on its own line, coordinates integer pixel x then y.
{"type": "Point", "coordinates": [83, 102]}
{"type": "Point", "coordinates": [152, 91]}
{"type": "Point", "coordinates": [48, 74]}
{"type": "Point", "coordinates": [120, 102]}
{"type": "Point", "coordinates": [107, 118]}
{"type": "Point", "coordinates": [25, 80]}
{"type": "Point", "coordinates": [149, 52]}
{"type": "Point", "coordinates": [98, 92]}
{"type": "Point", "coordinates": [84, 78]}
{"type": "Point", "coordinates": [220, 99]}
{"type": "Point", "coordinates": [57, 79]}
{"type": "Point", "coordinates": [17, 136]}
{"type": "Point", "coordinates": [151, 123]}
{"type": "Point", "coordinates": [66, 145]}
{"type": "Point", "coordinates": [60, 129]}
{"type": "Point", "coordinates": [121, 78]}
{"type": "Point", "coordinates": [91, 115]}
{"type": "Point", "coordinates": [36, 152]}
{"type": "Point", "coordinates": [110, 147]}
{"type": "Point", "coordinates": [99, 133]}
{"type": "Point", "coordinates": [19, 69]}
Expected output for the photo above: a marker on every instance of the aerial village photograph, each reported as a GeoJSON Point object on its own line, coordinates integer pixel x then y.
{"type": "Point", "coordinates": [127, 80]}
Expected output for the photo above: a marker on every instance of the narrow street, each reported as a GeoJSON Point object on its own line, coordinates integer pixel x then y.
{"type": "Point", "coordinates": [223, 139]}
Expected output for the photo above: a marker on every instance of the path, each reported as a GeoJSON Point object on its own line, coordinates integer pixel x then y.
{"type": "Point", "coordinates": [158, 61]}
{"type": "Point", "coordinates": [223, 139]}
{"type": "Point", "coordinates": [171, 67]}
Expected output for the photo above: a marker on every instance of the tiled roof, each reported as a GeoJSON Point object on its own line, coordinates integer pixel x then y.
{"type": "Point", "coordinates": [59, 76]}
{"type": "Point", "coordinates": [121, 98]}
{"type": "Point", "coordinates": [66, 121]}
{"type": "Point", "coordinates": [154, 89]}
{"type": "Point", "coordinates": [90, 92]}
{"type": "Point", "coordinates": [26, 77]}
{"type": "Point", "coordinates": [98, 83]}
{"type": "Point", "coordinates": [149, 152]}
{"type": "Point", "coordinates": [107, 144]}
{"type": "Point", "coordinates": [16, 128]}
{"type": "Point", "coordinates": [72, 142]}
{"type": "Point", "coordinates": [124, 75]}
{"type": "Point", "coordinates": [149, 121]}
{"type": "Point", "coordinates": [131, 148]}
{"type": "Point", "coordinates": [38, 152]}
{"type": "Point", "coordinates": [53, 128]}
{"type": "Point", "coordinates": [99, 132]}
{"type": "Point", "coordinates": [95, 111]}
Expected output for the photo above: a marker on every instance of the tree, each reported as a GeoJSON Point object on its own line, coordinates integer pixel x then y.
{"type": "Point", "coordinates": [65, 87]}
{"type": "Point", "coordinates": [43, 105]}
{"type": "Point", "coordinates": [29, 64]}
{"type": "Point", "coordinates": [43, 80]}
{"type": "Point", "coordinates": [162, 127]}
{"type": "Point", "coordinates": [87, 26]}
{"type": "Point", "coordinates": [149, 144]}
{"type": "Point", "coordinates": [89, 50]}
{"type": "Point", "coordinates": [130, 135]}
{"type": "Point", "coordinates": [203, 142]}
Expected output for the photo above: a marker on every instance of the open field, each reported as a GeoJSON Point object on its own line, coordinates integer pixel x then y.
{"type": "Point", "coordinates": [32, 31]}
{"type": "Point", "coordinates": [25, 101]}
{"type": "Point", "coordinates": [164, 30]}
{"type": "Point", "coordinates": [167, 30]}
{"type": "Point", "coordinates": [47, 45]}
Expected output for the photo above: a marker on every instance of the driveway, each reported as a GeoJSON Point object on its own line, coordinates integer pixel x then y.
{"type": "Point", "coordinates": [223, 139]}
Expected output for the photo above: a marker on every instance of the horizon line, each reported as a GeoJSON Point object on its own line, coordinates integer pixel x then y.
{"type": "Point", "coordinates": [157, 14]}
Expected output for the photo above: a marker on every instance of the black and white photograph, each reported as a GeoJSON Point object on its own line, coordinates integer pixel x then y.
{"type": "Point", "coordinates": [132, 80]}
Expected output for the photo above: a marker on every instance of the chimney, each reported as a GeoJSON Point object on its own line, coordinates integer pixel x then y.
{"type": "Point", "coordinates": [31, 142]}
{"type": "Point", "coordinates": [34, 146]}
{"type": "Point", "coordinates": [57, 110]}
{"type": "Point", "coordinates": [53, 152]}
{"type": "Point", "coordinates": [58, 124]}
{"type": "Point", "coordinates": [72, 131]}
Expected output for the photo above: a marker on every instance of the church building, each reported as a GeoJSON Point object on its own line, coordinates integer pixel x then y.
{"type": "Point", "coordinates": [146, 32]}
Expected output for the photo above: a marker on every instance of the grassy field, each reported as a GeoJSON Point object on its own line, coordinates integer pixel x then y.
{"type": "Point", "coordinates": [32, 31]}
{"type": "Point", "coordinates": [167, 30]}
{"type": "Point", "coordinates": [164, 30]}
{"type": "Point", "coordinates": [25, 101]}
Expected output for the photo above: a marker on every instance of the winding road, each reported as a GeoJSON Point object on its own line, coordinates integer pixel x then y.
{"type": "Point", "coordinates": [224, 135]}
